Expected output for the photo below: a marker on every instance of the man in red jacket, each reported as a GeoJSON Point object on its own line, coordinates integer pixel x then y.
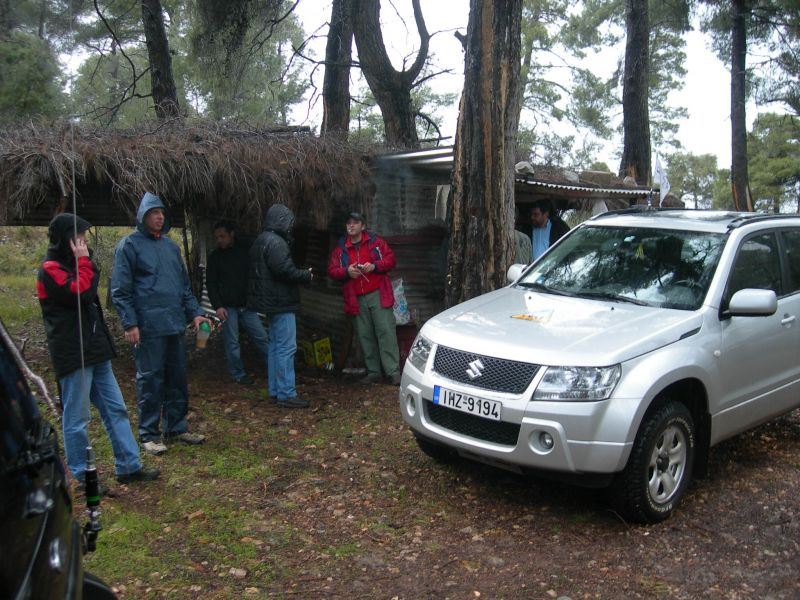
{"type": "Point", "coordinates": [363, 262]}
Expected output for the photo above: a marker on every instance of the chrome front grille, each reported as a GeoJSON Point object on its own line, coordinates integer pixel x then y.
{"type": "Point", "coordinates": [486, 372]}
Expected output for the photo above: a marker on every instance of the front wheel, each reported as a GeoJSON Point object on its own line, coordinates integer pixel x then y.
{"type": "Point", "coordinates": [659, 468]}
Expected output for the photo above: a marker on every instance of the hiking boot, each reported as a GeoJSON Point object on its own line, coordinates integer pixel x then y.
{"type": "Point", "coordinates": [245, 380]}
{"type": "Point", "coordinates": [190, 438]}
{"type": "Point", "coordinates": [292, 403]}
{"type": "Point", "coordinates": [154, 448]}
{"type": "Point", "coordinates": [371, 378]}
{"type": "Point", "coordinates": [140, 475]}
{"type": "Point", "coordinates": [395, 378]}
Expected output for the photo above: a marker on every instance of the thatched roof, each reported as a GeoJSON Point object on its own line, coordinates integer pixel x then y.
{"type": "Point", "coordinates": [210, 170]}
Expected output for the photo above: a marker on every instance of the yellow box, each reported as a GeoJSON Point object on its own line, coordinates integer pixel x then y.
{"type": "Point", "coordinates": [317, 352]}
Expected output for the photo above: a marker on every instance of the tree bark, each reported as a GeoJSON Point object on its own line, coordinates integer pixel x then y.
{"type": "Point", "coordinates": [481, 214]}
{"type": "Point", "coordinates": [5, 18]}
{"type": "Point", "coordinates": [338, 57]}
{"type": "Point", "coordinates": [165, 96]}
{"type": "Point", "coordinates": [635, 111]}
{"type": "Point", "coordinates": [391, 88]}
{"type": "Point", "coordinates": [739, 175]}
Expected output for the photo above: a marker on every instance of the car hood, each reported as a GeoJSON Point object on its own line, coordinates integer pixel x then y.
{"type": "Point", "coordinates": [557, 330]}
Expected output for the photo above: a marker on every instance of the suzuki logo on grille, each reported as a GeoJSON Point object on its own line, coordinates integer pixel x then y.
{"type": "Point", "coordinates": [475, 369]}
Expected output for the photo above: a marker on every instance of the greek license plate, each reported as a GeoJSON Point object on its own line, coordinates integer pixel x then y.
{"type": "Point", "coordinates": [481, 407]}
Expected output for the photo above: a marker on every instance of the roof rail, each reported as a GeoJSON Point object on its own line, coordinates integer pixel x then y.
{"type": "Point", "coordinates": [634, 210]}
{"type": "Point", "coordinates": [755, 218]}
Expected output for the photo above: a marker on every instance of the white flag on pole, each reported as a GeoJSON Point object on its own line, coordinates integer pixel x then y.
{"type": "Point", "coordinates": [661, 177]}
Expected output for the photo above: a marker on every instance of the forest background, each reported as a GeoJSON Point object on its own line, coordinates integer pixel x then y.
{"type": "Point", "coordinates": [254, 61]}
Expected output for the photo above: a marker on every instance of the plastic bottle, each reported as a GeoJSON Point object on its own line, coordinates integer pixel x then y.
{"type": "Point", "coordinates": [202, 335]}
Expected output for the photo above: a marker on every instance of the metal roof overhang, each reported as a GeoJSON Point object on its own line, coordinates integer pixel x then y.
{"type": "Point", "coordinates": [441, 160]}
{"type": "Point", "coordinates": [579, 191]}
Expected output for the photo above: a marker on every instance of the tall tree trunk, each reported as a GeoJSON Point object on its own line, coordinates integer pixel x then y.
{"type": "Point", "coordinates": [5, 18]}
{"type": "Point", "coordinates": [482, 199]}
{"type": "Point", "coordinates": [165, 96]}
{"type": "Point", "coordinates": [391, 88]}
{"type": "Point", "coordinates": [635, 112]}
{"type": "Point", "coordinates": [739, 176]}
{"type": "Point", "coordinates": [338, 56]}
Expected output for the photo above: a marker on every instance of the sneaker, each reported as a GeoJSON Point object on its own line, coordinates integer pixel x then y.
{"type": "Point", "coordinates": [292, 403]}
{"type": "Point", "coordinates": [190, 438]}
{"type": "Point", "coordinates": [101, 487]}
{"type": "Point", "coordinates": [245, 380]}
{"type": "Point", "coordinates": [140, 475]}
{"type": "Point", "coordinates": [154, 448]}
{"type": "Point", "coordinates": [395, 378]}
{"type": "Point", "coordinates": [371, 378]}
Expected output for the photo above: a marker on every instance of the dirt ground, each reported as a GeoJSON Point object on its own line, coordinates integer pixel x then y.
{"type": "Point", "coordinates": [371, 516]}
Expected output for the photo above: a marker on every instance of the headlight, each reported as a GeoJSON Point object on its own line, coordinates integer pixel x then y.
{"type": "Point", "coordinates": [420, 351]}
{"type": "Point", "coordinates": [577, 383]}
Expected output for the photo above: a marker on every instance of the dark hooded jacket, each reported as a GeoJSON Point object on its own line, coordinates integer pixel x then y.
{"type": "Point", "coordinates": [149, 284]}
{"type": "Point", "coordinates": [274, 278]}
{"type": "Point", "coordinates": [59, 285]}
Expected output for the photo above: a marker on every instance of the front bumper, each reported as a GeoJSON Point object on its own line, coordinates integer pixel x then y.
{"type": "Point", "coordinates": [587, 437]}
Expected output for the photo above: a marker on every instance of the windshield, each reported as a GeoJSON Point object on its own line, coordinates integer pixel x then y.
{"type": "Point", "coordinates": [653, 267]}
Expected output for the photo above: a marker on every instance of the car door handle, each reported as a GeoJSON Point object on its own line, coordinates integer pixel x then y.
{"type": "Point", "coordinates": [788, 319]}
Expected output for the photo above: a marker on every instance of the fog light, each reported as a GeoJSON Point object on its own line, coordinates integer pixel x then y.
{"type": "Point", "coordinates": [546, 440]}
{"type": "Point", "coordinates": [411, 406]}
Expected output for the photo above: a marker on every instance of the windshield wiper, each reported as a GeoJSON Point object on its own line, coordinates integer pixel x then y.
{"type": "Point", "coordinates": [540, 287]}
{"type": "Point", "coordinates": [612, 297]}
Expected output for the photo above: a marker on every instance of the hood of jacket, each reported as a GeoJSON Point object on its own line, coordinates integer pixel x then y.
{"type": "Point", "coordinates": [279, 220]}
{"type": "Point", "coordinates": [149, 202]}
{"type": "Point", "coordinates": [61, 230]}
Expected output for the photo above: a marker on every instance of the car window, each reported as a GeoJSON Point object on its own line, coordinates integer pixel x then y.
{"type": "Point", "coordinates": [658, 267]}
{"type": "Point", "coordinates": [791, 244]}
{"type": "Point", "coordinates": [757, 265]}
{"type": "Point", "coordinates": [17, 410]}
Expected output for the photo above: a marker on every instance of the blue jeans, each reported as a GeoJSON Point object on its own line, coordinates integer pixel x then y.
{"type": "Point", "coordinates": [282, 348]}
{"type": "Point", "coordinates": [162, 394]}
{"type": "Point", "coordinates": [97, 385]}
{"type": "Point", "coordinates": [249, 321]}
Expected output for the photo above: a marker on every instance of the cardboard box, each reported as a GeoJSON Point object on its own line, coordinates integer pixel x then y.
{"type": "Point", "coordinates": [317, 352]}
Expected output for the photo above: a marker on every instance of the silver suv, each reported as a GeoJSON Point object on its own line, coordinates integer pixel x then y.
{"type": "Point", "coordinates": [640, 340]}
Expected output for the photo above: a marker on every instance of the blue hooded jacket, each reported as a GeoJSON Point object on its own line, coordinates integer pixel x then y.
{"type": "Point", "coordinates": [149, 284]}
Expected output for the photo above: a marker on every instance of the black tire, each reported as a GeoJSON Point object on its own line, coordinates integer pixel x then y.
{"type": "Point", "coordinates": [435, 451]}
{"type": "Point", "coordinates": [659, 468]}
{"type": "Point", "coordinates": [95, 589]}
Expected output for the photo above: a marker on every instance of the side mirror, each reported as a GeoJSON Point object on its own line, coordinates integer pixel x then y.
{"type": "Point", "coordinates": [753, 303]}
{"type": "Point", "coordinates": [514, 271]}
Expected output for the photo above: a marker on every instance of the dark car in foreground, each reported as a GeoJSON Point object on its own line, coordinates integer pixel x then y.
{"type": "Point", "coordinates": [42, 544]}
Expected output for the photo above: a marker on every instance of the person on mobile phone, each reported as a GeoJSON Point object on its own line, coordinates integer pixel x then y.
{"type": "Point", "coordinates": [363, 261]}
{"type": "Point", "coordinates": [81, 349]}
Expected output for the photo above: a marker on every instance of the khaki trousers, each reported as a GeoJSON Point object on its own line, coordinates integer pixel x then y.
{"type": "Point", "coordinates": [375, 329]}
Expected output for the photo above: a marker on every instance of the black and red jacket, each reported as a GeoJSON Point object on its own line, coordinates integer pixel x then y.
{"type": "Point", "coordinates": [59, 286]}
